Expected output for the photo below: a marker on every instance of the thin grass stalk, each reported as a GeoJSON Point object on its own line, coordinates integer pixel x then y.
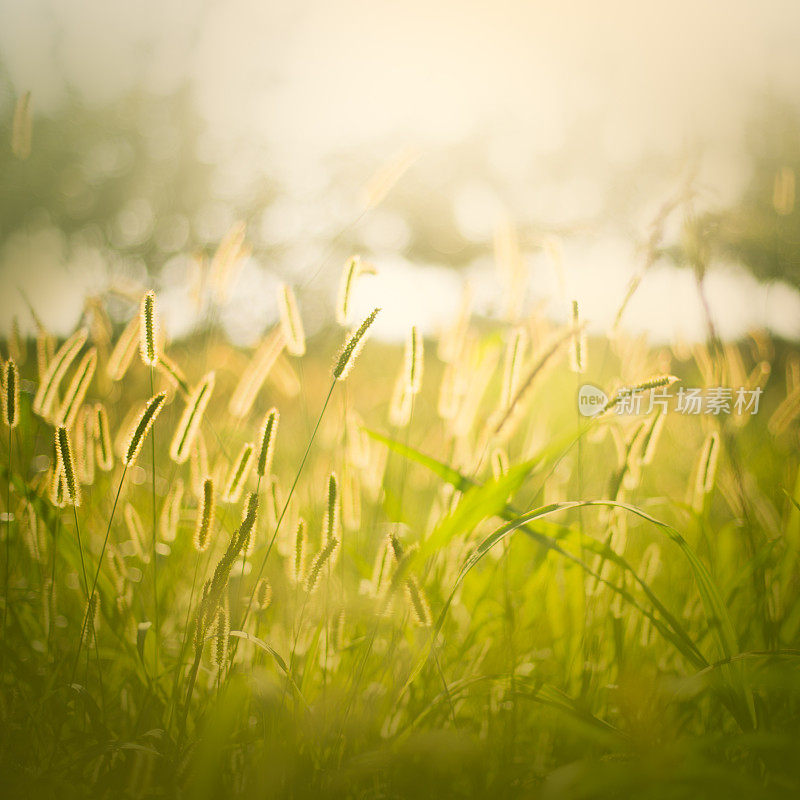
{"type": "Point", "coordinates": [8, 546]}
{"type": "Point", "coordinates": [157, 625]}
{"type": "Point", "coordinates": [286, 506]}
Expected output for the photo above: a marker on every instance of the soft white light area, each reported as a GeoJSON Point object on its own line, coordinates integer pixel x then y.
{"type": "Point", "coordinates": [253, 305]}
{"type": "Point", "coordinates": [299, 92]}
{"type": "Point", "coordinates": [38, 269]}
{"type": "Point", "coordinates": [407, 294]}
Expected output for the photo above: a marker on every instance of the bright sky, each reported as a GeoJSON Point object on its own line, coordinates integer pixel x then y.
{"type": "Point", "coordinates": [285, 88]}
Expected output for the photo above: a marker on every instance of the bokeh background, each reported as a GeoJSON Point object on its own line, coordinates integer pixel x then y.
{"type": "Point", "coordinates": [156, 126]}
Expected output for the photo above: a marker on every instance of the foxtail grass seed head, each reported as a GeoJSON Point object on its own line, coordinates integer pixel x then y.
{"type": "Point", "coordinates": [222, 630]}
{"type": "Point", "coordinates": [256, 373]}
{"type": "Point", "coordinates": [399, 575]}
{"type": "Point", "coordinates": [10, 385]}
{"type": "Point", "coordinates": [578, 344]}
{"type": "Point", "coordinates": [248, 520]}
{"type": "Point", "coordinates": [205, 516]}
{"type": "Point", "coordinates": [274, 504]}
{"type": "Point", "coordinates": [395, 547]}
{"type": "Point", "coordinates": [66, 458]}
{"type": "Point", "coordinates": [237, 477]}
{"type": "Point", "coordinates": [136, 531]}
{"type": "Point", "coordinates": [124, 351]}
{"type": "Point", "coordinates": [148, 347]}
{"type": "Point", "coordinates": [173, 373]}
{"type": "Point", "coordinates": [418, 603]}
{"type": "Point", "coordinates": [291, 322]}
{"type": "Point", "coordinates": [262, 596]}
{"type": "Point", "coordinates": [284, 378]}
{"type": "Point", "coordinates": [228, 261]}
{"type": "Point", "coordinates": [298, 562]}
{"type": "Point", "coordinates": [352, 347]}
{"type": "Point", "coordinates": [401, 403]}
{"type": "Point", "coordinates": [652, 383]}
{"type": "Point", "coordinates": [198, 465]}
{"type": "Point", "coordinates": [76, 392]}
{"type": "Point", "coordinates": [117, 568]}
{"type": "Point", "coordinates": [31, 533]}
{"type": "Point", "coordinates": [44, 352]}
{"type": "Point", "coordinates": [413, 362]}
{"type": "Point", "coordinates": [171, 511]}
{"type": "Point", "coordinates": [17, 350]}
{"type": "Point", "coordinates": [185, 434]}
{"type": "Point", "coordinates": [514, 357]}
{"type": "Point", "coordinates": [105, 449]}
{"type": "Point", "coordinates": [84, 445]}
{"type": "Point", "coordinates": [353, 268]}
{"type": "Point", "coordinates": [142, 427]}
{"type": "Point", "coordinates": [381, 569]}
{"type": "Point", "coordinates": [387, 175]}
{"type": "Point", "coordinates": [507, 416]}
{"type": "Point", "coordinates": [48, 389]}
{"type": "Point", "coordinates": [58, 486]}
{"type": "Point", "coordinates": [269, 432]}
{"type": "Point", "coordinates": [325, 556]}
{"type": "Point", "coordinates": [706, 468]}
{"type": "Point", "coordinates": [330, 523]}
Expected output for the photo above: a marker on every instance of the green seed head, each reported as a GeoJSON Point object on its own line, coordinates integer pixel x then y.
{"type": "Point", "coordinates": [143, 425]}
{"type": "Point", "coordinates": [267, 450]}
{"type": "Point", "coordinates": [147, 341]}
{"type": "Point", "coordinates": [67, 461]}
{"type": "Point", "coordinates": [10, 398]}
{"type": "Point", "coordinates": [352, 347]}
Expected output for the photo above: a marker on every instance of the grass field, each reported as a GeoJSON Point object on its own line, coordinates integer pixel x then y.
{"type": "Point", "coordinates": [429, 578]}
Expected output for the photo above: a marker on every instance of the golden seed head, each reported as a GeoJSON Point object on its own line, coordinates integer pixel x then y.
{"type": "Point", "coordinates": [268, 435]}
{"type": "Point", "coordinates": [47, 392]}
{"type": "Point", "coordinates": [205, 516]}
{"type": "Point", "coordinates": [124, 350]}
{"type": "Point", "coordinates": [263, 595]}
{"type": "Point", "coordinates": [76, 392]}
{"type": "Point", "coordinates": [104, 451]}
{"type": "Point", "coordinates": [352, 347]}
{"type": "Point", "coordinates": [413, 361]}
{"type": "Point", "coordinates": [330, 524]}
{"type": "Point", "coordinates": [291, 322]}
{"type": "Point", "coordinates": [186, 433]}
{"type": "Point", "coordinates": [353, 268]}
{"type": "Point", "coordinates": [142, 427]}
{"type": "Point", "coordinates": [298, 565]}
{"type": "Point", "coordinates": [323, 557]}
{"type": "Point", "coordinates": [237, 477]}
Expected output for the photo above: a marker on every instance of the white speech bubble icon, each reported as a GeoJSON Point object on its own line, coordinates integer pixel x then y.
{"type": "Point", "coordinates": [591, 400]}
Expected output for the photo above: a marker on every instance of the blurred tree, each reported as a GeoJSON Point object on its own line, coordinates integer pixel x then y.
{"type": "Point", "coordinates": [763, 229]}
{"type": "Point", "coordinates": [128, 168]}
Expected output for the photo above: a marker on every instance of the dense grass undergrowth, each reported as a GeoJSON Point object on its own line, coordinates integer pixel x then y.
{"type": "Point", "coordinates": [404, 582]}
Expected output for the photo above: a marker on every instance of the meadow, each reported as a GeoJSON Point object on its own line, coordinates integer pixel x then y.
{"type": "Point", "coordinates": [337, 567]}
